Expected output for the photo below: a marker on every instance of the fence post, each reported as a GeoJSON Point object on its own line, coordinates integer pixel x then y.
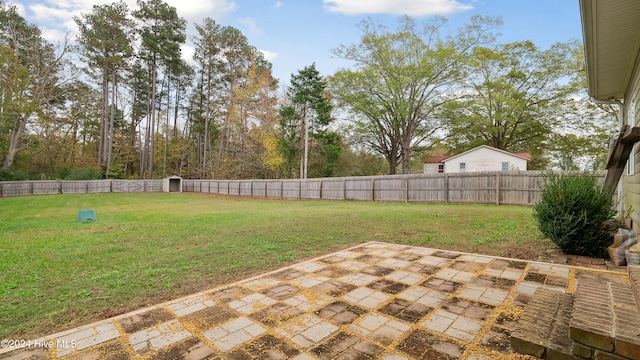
{"type": "Point", "coordinates": [373, 189]}
{"type": "Point", "coordinates": [320, 189]}
{"type": "Point", "coordinates": [406, 189]}
{"type": "Point", "coordinates": [344, 189]}
{"type": "Point", "coordinates": [446, 188]}
{"type": "Point", "coordinates": [498, 189]}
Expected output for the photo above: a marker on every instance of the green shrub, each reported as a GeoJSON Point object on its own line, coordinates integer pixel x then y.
{"type": "Point", "coordinates": [13, 175]}
{"type": "Point", "coordinates": [574, 211]}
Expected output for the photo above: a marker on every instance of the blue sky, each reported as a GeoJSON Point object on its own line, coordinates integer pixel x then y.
{"type": "Point", "coordinates": [297, 33]}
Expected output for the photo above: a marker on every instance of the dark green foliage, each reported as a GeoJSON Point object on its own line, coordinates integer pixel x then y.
{"type": "Point", "coordinates": [11, 174]}
{"type": "Point", "coordinates": [83, 174]}
{"type": "Point", "coordinates": [573, 211]}
{"type": "Point", "coordinates": [309, 106]}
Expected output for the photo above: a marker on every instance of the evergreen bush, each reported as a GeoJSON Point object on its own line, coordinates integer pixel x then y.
{"type": "Point", "coordinates": [574, 211]}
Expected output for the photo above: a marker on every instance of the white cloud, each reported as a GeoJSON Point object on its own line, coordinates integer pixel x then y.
{"type": "Point", "coordinates": [41, 12]}
{"type": "Point", "coordinates": [278, 4]}
{"type": "Point", "coordinates": [188, 52]}
{"type": "Point", "coordinates": [251, 28]}
{"type": "Point", "coordinates": [397, 7]}
{"type": "Point", "coordinates": [192, 11]}
{"type": "Point", "coordinates": [19, 8]}
{"type": "Point", "coordinates": [54, 36]}
{"type": "Point", "coordinates": [269, 55]}
{"type": "Point", "coordinates": [198, 10]}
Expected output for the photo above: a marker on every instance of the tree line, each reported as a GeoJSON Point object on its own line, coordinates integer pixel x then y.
{"type": "Point", "coordinates": [120, 101]}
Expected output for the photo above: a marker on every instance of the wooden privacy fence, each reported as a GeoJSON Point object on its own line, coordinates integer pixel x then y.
{"type": "Point", "coordinates": [507, 188]}
{"type": "Point", "coordinates": [45, 187]}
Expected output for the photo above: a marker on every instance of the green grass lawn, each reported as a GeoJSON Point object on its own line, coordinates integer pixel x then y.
{"type": "Point", "coordinates": [57, 273]}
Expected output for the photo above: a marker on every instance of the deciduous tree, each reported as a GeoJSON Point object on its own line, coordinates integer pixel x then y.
{"type": "Point", "coordinates": [513, 98]}
{"type": "Point", "coordinates": [399, 78]}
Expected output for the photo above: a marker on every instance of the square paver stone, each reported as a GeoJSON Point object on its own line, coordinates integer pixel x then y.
{"type": "Point", "coordinates": [191, 348]}
{"type": "Point", "coordinates": [340, 312]}
{"type": "Point", "coordinates": [110, 350]}
{"type": "Point", "coordinates": [379, 328]}
{"type": "Point", "coordinates": [435, 261]}
{"type": "Point", "coordinates": [388, 286]}
{"type": "Point", "coordinates": [422, 295]}
{"type": "Point", "coordinates": [231, 293]}
{"type": "Point", "coordinates": [346, 346]}
{"type": "Point", "coordinates": [251, 303]}
{"type": "Point", "coordinates": [234, 333]}
{"type": "Point", "coordinates": [268, 347]}
{"type": "Point", "coordinates": [441, 285]}
{"type": "Point", "coordinates": [405, 277]}
{"type": "Point", "coordinates": [366, 297]}
{"type": "Point", "coordinates": [158, 336]}
{"type": "Point", "coordinates": [306, 330]}
{"type": "Point", "coordinates": [85, 338]}
{"type": "Point", "coordinates": [422, 345]}
{"type": "Point", "coordinates": [190, 305]}
{"type": "Point", "coordinates": [406, 310]}
{"type": "Point", "coordinates": [144, 320]}
{"type": "Point", "coordinates": [209, 317]}
{"type": "Point", "coordinates": [274, 314]}
{"type": "Point", "coordinates": [281, 292]}
{"type": "Point", "coordinates": [464, 329]}
{"type": "Point", "coordinates": [334, 288]}
{"type": "Point", "coordinates": [358, 279]}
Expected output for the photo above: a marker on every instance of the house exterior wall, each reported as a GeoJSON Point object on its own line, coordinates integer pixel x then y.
{"type": "Point", "coordinates": [431, 168]}
{"type": "Point", "coordinates": [631, 177]}
{"type": "Point", "coordinates": [483, 159]}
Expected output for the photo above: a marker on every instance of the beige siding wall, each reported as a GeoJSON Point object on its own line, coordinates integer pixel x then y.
{"type": "Point", "coordinates": [484, 159]}
{"type": "Point", "coordinates": [631, 192]}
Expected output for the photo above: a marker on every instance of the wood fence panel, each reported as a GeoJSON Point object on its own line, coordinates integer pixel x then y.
{"type": "Point", "coordinates": [46, 187]}
{"type": "Point", "coordinates": [333, 189]}
{"type": "Point", "coordinates": [472, 188]}
{"type": "Point", "coordinates": [359, 188]}
{"type": "Point", "coordinates": [310, 189]}
{"type": "Point", "coordinates": [516, 189]}
{"type": "Point", "coordinates": [259, 188]}
{"type": "Point", "coordinates": [291, 189]}
{"type": "Point", "coordinates": [245, 188]}
{"type": "Point", "coordinates": [274, 189]}
{"type": "Point", "coordinates": [223, 187]}
{"type": "Point", "coordinates": [17, 188]}
{"type": "Point", "coordinates": [390, 189]}
{"type": "Point", "coordinates": [427, 189]}
{"type": "Point", "coordinates": [233, 188]}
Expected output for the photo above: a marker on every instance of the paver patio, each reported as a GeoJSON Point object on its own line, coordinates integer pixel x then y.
{"type": "Point", "coordinates": [376, 300]}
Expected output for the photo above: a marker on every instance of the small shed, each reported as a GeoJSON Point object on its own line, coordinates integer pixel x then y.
{"type": "Point", "coordinates": [172, 184]}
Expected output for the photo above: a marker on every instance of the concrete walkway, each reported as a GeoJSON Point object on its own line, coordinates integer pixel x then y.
{"type": "Point", "coordinates": [376, 300]}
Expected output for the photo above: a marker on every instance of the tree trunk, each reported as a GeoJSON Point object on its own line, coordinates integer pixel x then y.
{"type": "Point", "coordinates": [109, 140]}
{"type": "Point", "coordinates": [166, 129]}
{"type": "Point", "coordinates": [152, 132]}
{"type": "Point", "coordinates": [14, 143]}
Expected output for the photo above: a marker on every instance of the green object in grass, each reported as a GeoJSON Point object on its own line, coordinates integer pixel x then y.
{"type": "Point", "coordinates": [86, 215]}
